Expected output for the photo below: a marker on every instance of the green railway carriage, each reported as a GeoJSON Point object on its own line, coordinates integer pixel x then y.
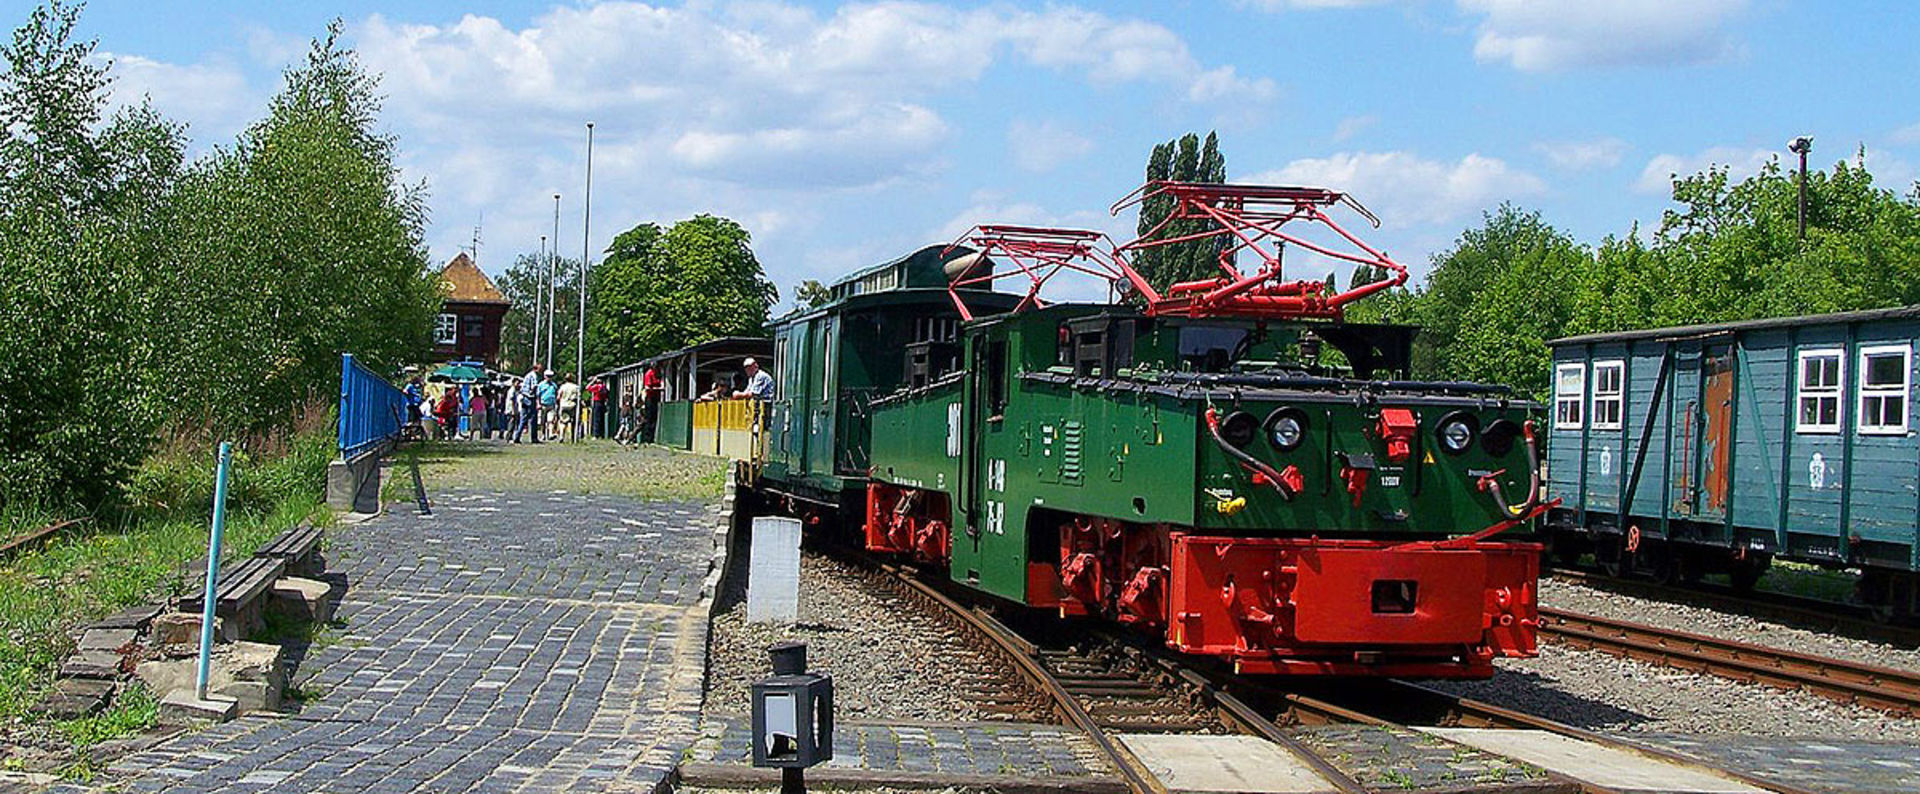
{"type": "Point", "coordinates": [1715, 448]}
{"type": "Point", "coordinates": [885, 328]}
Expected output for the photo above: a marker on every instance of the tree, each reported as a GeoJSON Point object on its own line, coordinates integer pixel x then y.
{"type": "Point", "coordinates": [811, 294]}
{"type": "Point", "coordinates": [525, 283]}
{"type": "Point", "coordinates": [661, 290]}
{"type": "Point", "coordinates": [1184, 159]}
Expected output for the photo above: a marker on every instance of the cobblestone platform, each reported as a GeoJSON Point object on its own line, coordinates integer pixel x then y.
{"type": "Point", "coordinates": [507, 643]}
{"type": "Point", "coordinates": [906, 750]}
{"type": "Point", "coordinates": [1813, 764]}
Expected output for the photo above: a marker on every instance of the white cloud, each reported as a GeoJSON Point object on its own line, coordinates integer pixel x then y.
{"type": "Point", "coordinates": [733, 107]}
{"type": "Point", "coordinates": [1283, 5]}
{"type": "Point", "coordinates": [214, 95]}
{"type": "Point", "coordinates": [1583, 155]}
{"type": "Point", "coordinates": [1353, 125]}
{"type": "Point", "coordinates": [1546, 35]}
{"type": "Point", "coordinates": [1045, 146]}
{"type": "Point", "coordinates": [1657, 177]}
{"type": "Point", "coordinates": [1906, 136]}
{"type": "Point", "coordinates": [1405, 189]}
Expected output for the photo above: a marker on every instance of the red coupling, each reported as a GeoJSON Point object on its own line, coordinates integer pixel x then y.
{"type": "Point", "coordinates": [1356, 482]}
{"type": "Point", "coordinates": [1294, 481]}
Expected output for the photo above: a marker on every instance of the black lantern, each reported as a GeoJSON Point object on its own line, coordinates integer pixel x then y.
{"type": "Point", "coordinates": [792, 715]}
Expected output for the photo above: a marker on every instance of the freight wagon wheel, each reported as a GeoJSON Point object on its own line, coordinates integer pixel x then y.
{"type": "Point", "coordinates": [1746, 573]}
{"type": "Point", "coordinates": [1613, 558]}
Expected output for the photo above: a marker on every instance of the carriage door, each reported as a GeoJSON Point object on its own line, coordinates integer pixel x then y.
{"type": "Point", "coordinates": [1703, 413]}
{"type": "Point", "coordinates": [1716, 430]}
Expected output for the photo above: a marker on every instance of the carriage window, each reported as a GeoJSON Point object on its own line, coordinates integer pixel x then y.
{"type": "Point", "coordinates": [1883, 389]}
{"type": "Point", "coordinates": [1569, 395]}
{"type": "Point", "coordinates": [1609, 394]}
{"type": "Point", "coordinates": [1819, 383]}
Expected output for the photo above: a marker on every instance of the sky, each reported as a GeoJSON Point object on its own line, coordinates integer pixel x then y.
{"type": "Point", "coordinates": [842, 135]}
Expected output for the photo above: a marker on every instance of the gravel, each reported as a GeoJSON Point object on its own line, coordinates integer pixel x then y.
{"type": "Point", "coordinates": [1682, 617]}
{"type": "Point", "coordinates": [1594, 690]}
{"type": "Point", "coordinates": [890, 660]}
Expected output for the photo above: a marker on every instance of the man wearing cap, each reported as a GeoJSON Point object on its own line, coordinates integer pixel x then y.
{"type": "Point", "coordinates": [759, 383]}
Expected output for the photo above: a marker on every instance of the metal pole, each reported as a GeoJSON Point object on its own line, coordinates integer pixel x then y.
{"type": "Point", "coordinates": [1803, 192]}
{"type": "Point", "coordinates": [586, 252]}
{"type": "Point", "coordinates": [553, 268]}
{"type": "Point", "coordinates": [539, 298]}
{"type": "Point", "coordinates": [213, 570]}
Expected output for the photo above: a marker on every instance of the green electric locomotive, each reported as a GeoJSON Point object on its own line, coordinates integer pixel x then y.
{"type": "Point", "coordinates": [1230, 465]}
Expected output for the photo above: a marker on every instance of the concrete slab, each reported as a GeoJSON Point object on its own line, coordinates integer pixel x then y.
{"type": "Point", "coordinates": [1224, 764]}
{"type": "Point", "coordinates": [180, 707]}
{"type": "Point", "coordinates": [1605, 767]}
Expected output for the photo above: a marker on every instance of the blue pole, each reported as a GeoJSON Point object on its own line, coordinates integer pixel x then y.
{"type": "Point", "coordinates": [213, 569]}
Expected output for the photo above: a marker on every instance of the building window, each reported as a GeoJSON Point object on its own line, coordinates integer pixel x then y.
{"type": "Point", "coordinates": [446, 329]}
{"type": "Point", "coordinates": [1819, 396]}
{"type": "Point", "coordinates": [476, 326]}
{"type": "Point", "coordinates": [1569, 395]}
{"type": "Point", "coordinates": [1883, 389]}
{"type": "Point", "coordinates": [1609, 394]}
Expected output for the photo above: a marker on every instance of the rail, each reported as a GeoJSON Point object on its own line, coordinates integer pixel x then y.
{"type": "Point", "coordinates": [1814, 614]}
{"type": "Point", "coordinates": [1883, 688]}
{"type": "Point", "coordinates": [370, 408]}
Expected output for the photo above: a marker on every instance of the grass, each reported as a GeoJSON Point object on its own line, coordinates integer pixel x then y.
{"type": "Point", "coordinates": [142, 556]}
{"type": "Point", "coordinates": [596, 466]}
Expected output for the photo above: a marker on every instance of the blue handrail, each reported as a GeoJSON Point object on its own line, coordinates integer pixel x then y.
{"type": "Point", "coordinates": [371, 409]}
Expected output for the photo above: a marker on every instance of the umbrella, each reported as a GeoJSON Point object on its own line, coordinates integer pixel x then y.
{"type": "Point", "coordinates": [460, 373]}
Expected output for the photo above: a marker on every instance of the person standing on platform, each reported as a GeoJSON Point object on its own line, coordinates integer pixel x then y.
{"type": "Point", "coordinates": [550, 407]}
{"type": "Point", "coordinates": [650, 411]}
{"type": "Point", "coordinates": [569, 396]}
{"type": "Point", "coordinates": [597, 407]}
{"type": "Point", "coordinates": [477, 412]}
{"type": "Point", "coordinates": [529, 406]}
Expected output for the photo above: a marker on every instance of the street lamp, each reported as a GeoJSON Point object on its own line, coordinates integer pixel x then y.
{"type": "Point", "coordinates": [1801, 146]}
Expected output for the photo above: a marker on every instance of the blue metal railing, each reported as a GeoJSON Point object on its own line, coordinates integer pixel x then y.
{"type": "Point", "coordinates": [370, 408]}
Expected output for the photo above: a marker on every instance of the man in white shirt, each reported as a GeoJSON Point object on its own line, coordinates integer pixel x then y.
{"type": "Point", "coordinates": [759, 383]}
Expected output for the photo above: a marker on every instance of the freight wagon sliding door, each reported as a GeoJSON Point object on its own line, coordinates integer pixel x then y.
{"type": "Point", "coordinates": [1704, 394]}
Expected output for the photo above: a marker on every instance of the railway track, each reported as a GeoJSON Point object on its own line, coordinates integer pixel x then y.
{"type": "Point", "coordinates": [1120, 685]}
{"type": "Point", "coordinates": [1897, 691]}
{"type": "Point", "coordinates": [1815, 614]}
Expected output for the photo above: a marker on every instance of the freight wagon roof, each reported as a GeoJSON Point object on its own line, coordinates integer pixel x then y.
{"type": "Point", "coordinates": [1714, 329]}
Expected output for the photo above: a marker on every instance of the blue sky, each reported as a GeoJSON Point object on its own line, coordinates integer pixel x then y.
{"type": "Point", "coordinates": [844, 134]}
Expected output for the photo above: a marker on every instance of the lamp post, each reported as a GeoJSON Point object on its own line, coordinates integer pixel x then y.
{"type": "Point", "coordinates": [586, 251]}
{"type": "Point", "coordinates": [553, 267]}
{"type": "Point", "coordinates": [539, 298]}
{"type": "Point", "coordinates": [1801, 146]}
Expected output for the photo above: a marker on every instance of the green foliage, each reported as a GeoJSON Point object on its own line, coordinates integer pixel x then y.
{"type": "Point", "coordinates": [1184, 159]}
{"type": "Point", "coordinates": [811, 294]}
{"type": "Point", "coordinates": [1728, 251]}
{"type": "Point", "coordinates": [143, 295]}
{"type": "Point", "coordinates": [659, 290]}
{"type": "Point", "coordinates": [524, 283]}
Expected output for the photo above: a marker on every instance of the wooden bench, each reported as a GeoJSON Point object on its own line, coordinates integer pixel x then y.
{"type": "Point", "coordinates": [240, 595]}
{"type": "Point", "coordinates": [298, 547]}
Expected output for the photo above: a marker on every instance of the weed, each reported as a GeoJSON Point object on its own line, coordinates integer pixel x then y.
{"type": "Point", "coordinates": [132, 712]}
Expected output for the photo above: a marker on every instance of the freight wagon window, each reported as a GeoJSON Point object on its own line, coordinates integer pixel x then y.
{"type": "Point", "coordinates": [1569, 395]}
{"type": "Point", "coordinates": [1819, 391]}
{"type": "Point", "coordinates": [1608, 397]}
{"type": "Point", "coordinates": [1883, 389]}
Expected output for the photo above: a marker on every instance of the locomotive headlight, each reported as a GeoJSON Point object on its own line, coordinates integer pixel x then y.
{"type": "Point", "coordinates": [1457, 432]}
{"type": "Point", "coordinates": [1286, 428]}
